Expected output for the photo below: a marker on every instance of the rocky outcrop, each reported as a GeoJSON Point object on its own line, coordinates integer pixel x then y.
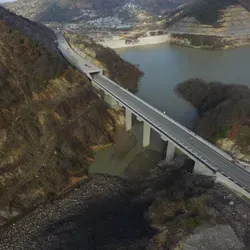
{"type": "Point", "coordinates": [50, 118]}
{"type": "Point", "coordinates": [223, 114]}
{"type": "Point", "coordinates": [213, 24]}
{"type": "Point", "coordinates": [113, 66]}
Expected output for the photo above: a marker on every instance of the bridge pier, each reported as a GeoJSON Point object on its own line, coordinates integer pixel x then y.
{"type": "Point", "coordinates": [201, 169]}
{"type": "Point", "coordinates": [170, 152]}
{"type": "Point", "coordinates": [128, 119]}
{"type": "Point", "coordinates": [146, 134]}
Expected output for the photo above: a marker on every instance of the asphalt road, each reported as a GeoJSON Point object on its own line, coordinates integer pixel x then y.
{"type": "Point", "coordinates": [158, 121]}
{"type": "Point", "coordinates": [80, 63]}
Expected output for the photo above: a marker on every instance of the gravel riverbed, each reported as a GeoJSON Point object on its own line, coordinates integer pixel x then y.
{"type": "Point", "coordinates": [108, 213]}
{"type": "Point", "coordinates": [98, 215]}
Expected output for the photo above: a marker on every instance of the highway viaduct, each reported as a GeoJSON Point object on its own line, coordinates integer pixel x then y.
{"type": "Point", "coordinates": [209, 160]}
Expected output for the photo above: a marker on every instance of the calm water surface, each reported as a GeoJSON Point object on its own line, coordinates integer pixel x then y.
{"type": "Point", "coordinates": [166, 65]}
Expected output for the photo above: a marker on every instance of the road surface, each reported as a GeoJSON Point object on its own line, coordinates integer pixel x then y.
{"type": "Point", "coordinates": [80, 63]}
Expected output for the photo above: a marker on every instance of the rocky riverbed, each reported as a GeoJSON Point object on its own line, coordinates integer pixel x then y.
{"type": "Point", "coordinates": [166, 210]}
{"type": "Point", "coordinates": [98, 215]}
{"type": "Point", "coordinates": [151, 207]}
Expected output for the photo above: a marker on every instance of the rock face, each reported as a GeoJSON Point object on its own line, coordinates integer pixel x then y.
{"type": "Point", "coordinates": [114, 67]}
{"type": "Point", "coordinates": [224, 113]}
{"type": "Point", "coordinates": [50, 118]}
{"type": "Point", "coordinates": [212, 24]}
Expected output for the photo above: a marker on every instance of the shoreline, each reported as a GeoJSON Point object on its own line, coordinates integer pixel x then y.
{"type": "Point", "coordinates": [209, 41]}
{"type": "Point", "coordinates": [143, 41]}
{"type": "Point", "coordinates": [190, 40]}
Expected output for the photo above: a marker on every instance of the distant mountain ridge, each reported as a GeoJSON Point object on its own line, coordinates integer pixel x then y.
{"type": "Point", "coordinates": [68, 11]}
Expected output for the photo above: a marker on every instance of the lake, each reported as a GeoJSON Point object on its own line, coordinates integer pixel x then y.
{"type": "Point", "coordinates": [167, 65]}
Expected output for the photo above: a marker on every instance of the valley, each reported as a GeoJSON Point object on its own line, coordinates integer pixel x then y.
{"type": "Point", "coordinates": [86, 164]}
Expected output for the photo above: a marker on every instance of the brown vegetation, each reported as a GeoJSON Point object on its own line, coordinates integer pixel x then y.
{"type": "Point", "coordinates": [50, 117]}
{"type": "Point", "coordinates": [224, 110]}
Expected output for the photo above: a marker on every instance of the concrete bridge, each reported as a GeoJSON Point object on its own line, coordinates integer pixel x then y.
{"type": "Point", "coordinates": [209, 160]}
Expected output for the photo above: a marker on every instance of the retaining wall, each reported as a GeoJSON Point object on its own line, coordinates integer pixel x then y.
{"type": "Point", "coordinates": [115, 44]}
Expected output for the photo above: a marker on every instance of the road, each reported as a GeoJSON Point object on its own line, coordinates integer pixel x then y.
{"type": "Point", "coordinates": [80, 63]}
{"type": "Point", "coordinates": [162, 124]}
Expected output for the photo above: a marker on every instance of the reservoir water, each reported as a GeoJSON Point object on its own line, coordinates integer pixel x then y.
{"type": "Point", "coordinates": [167, 65]}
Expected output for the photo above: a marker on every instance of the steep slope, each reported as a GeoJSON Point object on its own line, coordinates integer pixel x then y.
{"type": "Point", "coordinates": [211, 24]}
{"type": "Point", "coordinates": [82, 10]}
{"type": "Point", "coordinates": [50, 118]}
{"type": "Point", "coordinates": [224, 114]}
{"type": "Point", "coordinates": [111, 63]}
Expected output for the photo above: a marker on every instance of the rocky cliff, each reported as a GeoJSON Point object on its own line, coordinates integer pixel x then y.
{"type": "Point", "coordinates": [212, 24]}
{"type": "Point", "coordinates": [223, 114]}
{"type": "Point", "coordinates": [50, 118]}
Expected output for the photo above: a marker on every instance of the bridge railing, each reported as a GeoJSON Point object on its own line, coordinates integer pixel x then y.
{"type": "Point", "coordinates": [191, 133]}
{"type": "Point", "coordinates": [177, 142]}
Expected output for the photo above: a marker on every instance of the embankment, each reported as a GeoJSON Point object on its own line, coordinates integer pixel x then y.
{"type": "Point", "coordinates": [143, 41]}
{"type": "Point", "coordinates": [51, 118]}
{"type": "Point", "coordinates": [207, 41]}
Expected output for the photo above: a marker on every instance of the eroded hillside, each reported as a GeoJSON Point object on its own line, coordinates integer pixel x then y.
{"type": "Point", "coordinates": [223, 114]}
{"type": "Point", "coordinates": [212, 24]}
{"type": "Point", "coordinates": [50, 118]}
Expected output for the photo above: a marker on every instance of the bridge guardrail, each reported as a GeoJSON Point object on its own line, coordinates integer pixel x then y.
{"type": "Point", "coordinates": [159, 131]}
{"type": "Point", "coordinates": [174, 122]}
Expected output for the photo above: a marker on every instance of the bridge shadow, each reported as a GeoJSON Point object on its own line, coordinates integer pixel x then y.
{"type": "Point", "coordinates": [105, 224]}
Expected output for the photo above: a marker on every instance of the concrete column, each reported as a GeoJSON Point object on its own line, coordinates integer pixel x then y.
{"type": "Point", "coordinates": [201, 169]}
{"type": "Point", "coordinates": [128, 119]}
{"type": "Point", "coordinates": [170, 152]}
{"type": "Point", "coordinates": [146, 134]}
